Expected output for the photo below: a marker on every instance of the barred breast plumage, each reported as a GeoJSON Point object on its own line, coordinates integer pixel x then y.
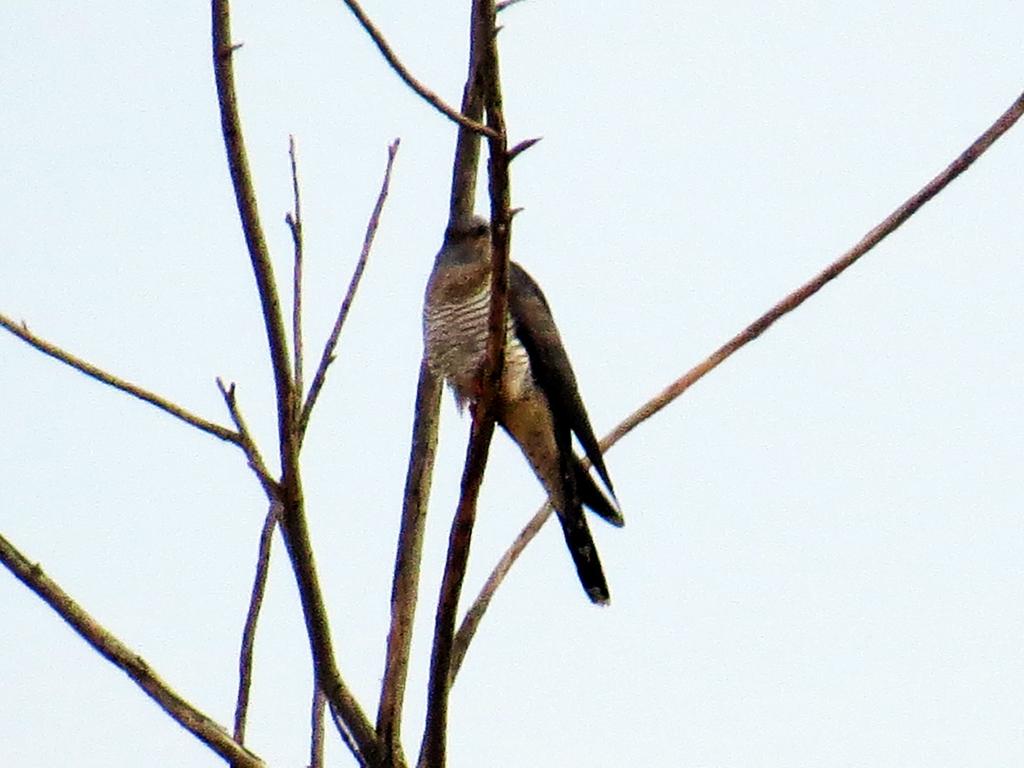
{"type": "Point", "coordinates": [455, 332]}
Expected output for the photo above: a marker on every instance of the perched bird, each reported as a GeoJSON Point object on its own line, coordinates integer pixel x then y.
{"type": "Point", "coordinates": [538, 403]}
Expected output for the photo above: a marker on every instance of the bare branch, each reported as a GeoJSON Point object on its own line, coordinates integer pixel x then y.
{"type": "Point", "coordinates": [425, 93]}
{"type": "Point", "coordinates": [123, 657]}
{"type": "Point", "coordinates": [294, 222]}
{"type": "Point", "coordinates": [361, 737]}
{"type": "Point", "coordinates": [471, 621]}
{"type": "Point", "coordinates": [347, 738]}
{"type": "Point", "coordinates": [293, 520]}
{"type": "Point", "coordinates": [245, 199]}
{"type": "Point", "coordinates": [359, 733]}
{"type": "Point", "coordinates": [246, 443]}
{"type": "Point", "coordinates": [466, 163]}
{"type": "Point", "coordinates": [521, 147]}
{"type": "Point", "coordinates": [405, 587]}
{"type": "Point", "coordinates": [804, 292]}
{"type": "Point", "coordinates": [328, 354]}
{"type": "Point", "coordinates": [259, 586]}
{"type": "Point", "coordinates": [22, 332]}
{"type": "Point", "coordinates": [316, 739]}
{"type": "Point", "coordinates": [433, 749]}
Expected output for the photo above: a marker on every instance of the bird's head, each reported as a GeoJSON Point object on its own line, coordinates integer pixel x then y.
{"type": "Point", "coordinates": [466, 241]}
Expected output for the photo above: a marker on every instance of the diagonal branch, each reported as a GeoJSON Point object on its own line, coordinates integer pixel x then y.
{"type": "Point", "coordinates": [22, 332]}
{"type": "Point", "coordinates": [357, 731]}
{"type": "Point", "coordinates": [259, 587]}
{"type": "Point", "coordinates": [123, 657]}
{"type": "Point", "coordinates": [332, 342]}
{"type": "Point", "coordinates": [248, 446]}
{"type": "Point", "coordinates": [245, 199]}
{"type": "Point", "coordinates": [425, 93]}
{"type": "Point", "coordinates": [964, 161]}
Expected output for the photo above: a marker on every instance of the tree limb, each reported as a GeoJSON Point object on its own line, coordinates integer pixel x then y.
{"type": "Point", "coordinates": [316, 725]}
{"type": "Point", "coordinates": [474, 615]}
{"type": "Point", "coordinates": [123, 657]}
{"type": "Point", "coordinates": [248, 212]}
{"type": "Point", "coordinates": [248, 446]}
{"type": "Point", "coordinates": [405, 587]}
{"type": "Point", "coordinates": [346, 304]}
{"type": "Point", "coordinates": [22, 332]}
{"type": "Point", "coordinates": [425, 93]}
{"type": "Point", "coordinates": [259, 587]}
{"type": "Point", "coordinates": [293, 519]}
{"type": "Point", "coordinates": [433, 749]}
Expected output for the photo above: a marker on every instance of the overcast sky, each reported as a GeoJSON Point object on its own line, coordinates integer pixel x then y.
{"type": "Point", "coordinates": [823, 560]}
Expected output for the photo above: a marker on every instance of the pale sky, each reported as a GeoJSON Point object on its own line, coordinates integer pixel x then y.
{"type": "Point", "coordinates": [823, 557]}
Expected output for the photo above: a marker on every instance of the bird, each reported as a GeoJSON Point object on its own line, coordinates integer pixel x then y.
{"type": "Point", "coordinates": [538, 403]}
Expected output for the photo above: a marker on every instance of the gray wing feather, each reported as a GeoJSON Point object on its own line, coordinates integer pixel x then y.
{"type": "Point", "coordinates": [535, 327]}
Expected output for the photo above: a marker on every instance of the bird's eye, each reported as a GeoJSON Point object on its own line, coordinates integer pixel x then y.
{"type": "Point", "coordinates": [479, 230]}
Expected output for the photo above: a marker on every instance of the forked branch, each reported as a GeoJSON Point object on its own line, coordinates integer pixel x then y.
{"type": "Point", "coordinates": [356, 729]}
{"type": "Point", "coordinates": [475, 614]}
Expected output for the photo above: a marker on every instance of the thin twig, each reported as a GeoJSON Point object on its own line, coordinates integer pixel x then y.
{"type": "Point", "coordinates": [328, 354]}
{"type": "Point", "coordinates": [521, 147]}
{"type": "Point", "coordinates": [316, 725]}
{"type": "Point", "coordinates": [405, 586]}
{"type": "Point", "coordinates": [22, 332]}
{"type": "Point", "coordinates": [433, 749]}
{"type": "Point", "coordinates": [425, 93]}
{"type": "Point", "coordinates": [294, 222]}
{"type": "Point", "coordinates": [471, 621]}
{"type": "Point", "coordinates": [246, 443]}
{"type": "Point", "coordinates": [107, 645]}
{"type": "Point", "coordinates": [259, 586]}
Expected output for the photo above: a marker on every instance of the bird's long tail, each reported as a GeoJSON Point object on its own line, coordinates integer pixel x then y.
{"type": "Point", "coordinates": [592, 497]}
{"type": "Point", "coordinates": [584, 553]}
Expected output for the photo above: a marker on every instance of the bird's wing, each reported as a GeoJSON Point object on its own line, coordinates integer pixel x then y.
{"type": "Point", "coordinates": [549, 364]}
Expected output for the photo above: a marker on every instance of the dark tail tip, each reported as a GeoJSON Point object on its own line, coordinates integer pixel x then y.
{"type": "Point", "coordinates": [591, 496]}
{"type": "Point", "coordinates": [599, 596]}
{"type": "Point", "coordinates": [584, 555]}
